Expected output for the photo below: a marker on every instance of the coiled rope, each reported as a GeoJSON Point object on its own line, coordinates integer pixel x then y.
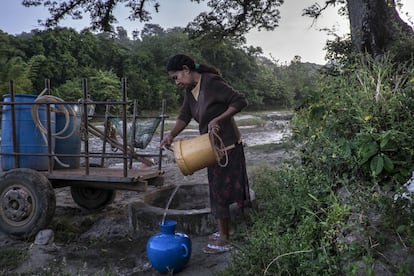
{"type": "Point", "coordinates": [67, 110]}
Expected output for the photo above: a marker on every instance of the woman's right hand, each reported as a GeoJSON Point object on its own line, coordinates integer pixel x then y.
{"type": "Point", "coordinates": [167, 141]}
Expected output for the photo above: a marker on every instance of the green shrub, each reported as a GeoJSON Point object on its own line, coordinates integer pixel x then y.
{"type": "Point", "coordinates": [360, 123]}
{"type": "Point", "coordinates": [295, 224]}
{"type": "Point", "coordinates": [333, 211]}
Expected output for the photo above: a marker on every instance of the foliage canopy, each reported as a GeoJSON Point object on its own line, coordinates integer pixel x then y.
{"type": "Point", "coordinates": [65, 57]}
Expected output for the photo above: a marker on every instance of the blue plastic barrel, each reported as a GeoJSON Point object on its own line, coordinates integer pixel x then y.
{"type": "Point", "coordinates": [28, 136]}
{"type": "Point", "coordinates": [69, 141]}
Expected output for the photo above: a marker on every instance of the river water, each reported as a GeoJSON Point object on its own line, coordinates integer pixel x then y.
{"type": "Point", "coordinates": [273, 131]}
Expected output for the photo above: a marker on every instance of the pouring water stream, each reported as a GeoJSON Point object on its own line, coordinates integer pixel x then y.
{"type": "Point", "coordinates": [169, 201]}
{"type": "Point", "coordinates": [172, 195]}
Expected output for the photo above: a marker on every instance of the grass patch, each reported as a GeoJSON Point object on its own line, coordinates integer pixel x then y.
{"type": "Point", "coordinates": [10, 258]}
{"type": "Point", "coordinates": [67, 231]}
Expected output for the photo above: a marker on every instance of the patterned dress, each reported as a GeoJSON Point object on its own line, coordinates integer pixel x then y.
{"type": "Point", "coordinates": [228, 184]}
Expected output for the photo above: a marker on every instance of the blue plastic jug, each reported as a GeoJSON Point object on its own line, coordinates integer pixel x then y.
{"type": "Point", "coordinates": [168, 251]}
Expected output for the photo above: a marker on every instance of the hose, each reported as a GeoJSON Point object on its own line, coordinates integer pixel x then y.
{"type": "Point", "coordinates": [67, 110]}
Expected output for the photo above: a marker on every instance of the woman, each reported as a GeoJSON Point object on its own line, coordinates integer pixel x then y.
{"type": "Point", "coordinates": [212, 102]}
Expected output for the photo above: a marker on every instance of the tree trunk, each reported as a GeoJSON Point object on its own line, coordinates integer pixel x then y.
{"type": "Point", "coordinates": [376, 27]}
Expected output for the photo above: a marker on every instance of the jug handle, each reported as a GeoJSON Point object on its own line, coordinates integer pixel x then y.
{"type": "Point", "coordinates": [186, 251]}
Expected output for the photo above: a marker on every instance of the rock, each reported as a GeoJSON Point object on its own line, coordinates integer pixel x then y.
{"type": "Point", "coordinates": [44, 237]}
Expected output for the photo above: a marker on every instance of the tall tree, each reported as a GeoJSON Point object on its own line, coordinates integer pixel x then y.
{"type": "Point", "coordinates": [375, 26]}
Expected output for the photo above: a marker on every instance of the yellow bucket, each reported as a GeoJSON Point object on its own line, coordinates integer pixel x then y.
{"type": "Point", "coordinates": [195, 154]}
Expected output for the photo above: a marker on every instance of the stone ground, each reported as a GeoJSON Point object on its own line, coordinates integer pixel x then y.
{"type": "Point", "coordinates": [107, 246]}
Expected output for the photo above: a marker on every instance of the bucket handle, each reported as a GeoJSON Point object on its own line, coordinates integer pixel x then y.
{"type": "Point", "coordinates": [221, 148]}
{"type": "Point", "coordinates": [186, 251]}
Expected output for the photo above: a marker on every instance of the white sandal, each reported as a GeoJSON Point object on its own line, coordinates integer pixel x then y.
{"type": "Point", "coordinates": [214, 249]}
{"type": "Point", "coordinates": [215, 236]}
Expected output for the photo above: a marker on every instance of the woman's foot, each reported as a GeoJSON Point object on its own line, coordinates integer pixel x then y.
{"type": "Point", "coordinates": [217, 246]}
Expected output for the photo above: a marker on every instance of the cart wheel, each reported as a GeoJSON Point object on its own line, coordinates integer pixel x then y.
{"type": "Point", "coordinates": [27, 203]}
{"type": "Point", "coordinates": [92, 198]}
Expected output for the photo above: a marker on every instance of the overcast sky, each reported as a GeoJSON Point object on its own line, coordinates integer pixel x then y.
{"type": "Point", "coordinates": [295, 36]}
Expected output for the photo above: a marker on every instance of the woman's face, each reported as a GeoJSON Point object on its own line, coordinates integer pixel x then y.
{"type": "Point", "coordinates": [182, 78]}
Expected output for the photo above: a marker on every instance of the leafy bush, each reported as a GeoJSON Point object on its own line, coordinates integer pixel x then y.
{"type": "Point", "coordinates": [333, 211]}
{"type": "Point", "coordinates": [296, 224]}
{"type": "Point", "coordinates": [360, 122]}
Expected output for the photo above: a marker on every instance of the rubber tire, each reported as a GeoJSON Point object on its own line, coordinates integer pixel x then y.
{"type": "Point", "coordinates": [39, 195]}
{"type": "Point", "coordinates": [92, 198]}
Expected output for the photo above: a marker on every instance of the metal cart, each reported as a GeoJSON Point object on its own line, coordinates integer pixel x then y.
{"type": "Point", "coordinates": [27, 196]}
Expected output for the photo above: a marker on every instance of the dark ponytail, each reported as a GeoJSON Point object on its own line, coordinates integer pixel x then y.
{"type": "Point", "coordinates": [177, 62]}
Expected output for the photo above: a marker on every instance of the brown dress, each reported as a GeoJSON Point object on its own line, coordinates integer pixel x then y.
{"type": "Point", "coordinates": [227, 184]}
